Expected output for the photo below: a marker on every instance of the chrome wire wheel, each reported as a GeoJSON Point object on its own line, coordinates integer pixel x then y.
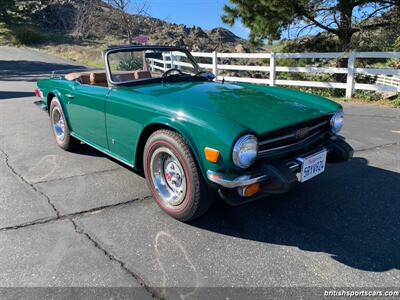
{"type": "Point", "coordinates": [58, 124]}
{"type": "Point", "coordinates": [168, 177]}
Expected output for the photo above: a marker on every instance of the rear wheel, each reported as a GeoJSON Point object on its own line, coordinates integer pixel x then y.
{"type": "Point", "coordinates": [173, 176]}
{"type": "Point", "coordinates": [60, 127]}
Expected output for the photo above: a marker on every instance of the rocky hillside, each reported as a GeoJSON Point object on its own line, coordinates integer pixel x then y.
{"type": "Point", "coordinates": [102, 22]}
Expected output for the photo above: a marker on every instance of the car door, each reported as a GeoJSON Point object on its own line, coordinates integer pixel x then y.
{"type": "Point", "coordinates": [86, 108]}
{"type": "Point", "coordinates": [124, 119]}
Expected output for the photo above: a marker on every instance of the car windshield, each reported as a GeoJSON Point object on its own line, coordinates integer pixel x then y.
{"type": "Point", "coordinates": [130, 65]}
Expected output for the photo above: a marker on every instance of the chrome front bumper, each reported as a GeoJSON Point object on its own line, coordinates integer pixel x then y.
{"type": "Point", "coordinates": [244, 180]}
{"type": "Point", "coordinates": [222, 180]}
{"type": "Point", "coordinates": [275, 177]}
{"type": "Point", "coordinates": [338, 151]}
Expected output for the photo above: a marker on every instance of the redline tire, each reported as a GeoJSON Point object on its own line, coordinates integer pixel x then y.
{"type": "Point", "coordinates": [192, 197]}
{"type": "Point", "coordinates": [61, 133]}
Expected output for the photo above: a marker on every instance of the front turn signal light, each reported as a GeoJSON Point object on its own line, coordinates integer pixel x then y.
{"type": "Point", "coordinates": [212, 155]}
{"type": "Point", "coordinates": [250, 190]}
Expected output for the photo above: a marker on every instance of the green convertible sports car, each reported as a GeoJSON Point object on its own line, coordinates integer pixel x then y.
{"type": "Point", "coordinates": [156, 111]}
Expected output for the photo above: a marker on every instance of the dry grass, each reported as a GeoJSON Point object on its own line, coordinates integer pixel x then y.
{"type": "Point", "coordinates": [382, 102]}
{"type": "Point", "coordinates": [86, 55]}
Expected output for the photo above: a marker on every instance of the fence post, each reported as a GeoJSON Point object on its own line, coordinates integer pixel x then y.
{"type": "Point", "coordinates": [350, 75]}
{"type": "Point", "coordinates": [172, 61]}
{"type": "Point", "coordinates": [272, 69]}
{"type": "Point", "coordinates": [164, 62]}
{"type": "Point", "coordinates": [215, 63]}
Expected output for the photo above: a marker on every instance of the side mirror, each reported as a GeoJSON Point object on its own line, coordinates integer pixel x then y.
{"type": "Point", "coordinates": [210, 75]}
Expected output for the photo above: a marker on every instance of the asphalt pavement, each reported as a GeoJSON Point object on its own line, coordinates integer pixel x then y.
{"type": "Point", "coordinates": [83, 220]}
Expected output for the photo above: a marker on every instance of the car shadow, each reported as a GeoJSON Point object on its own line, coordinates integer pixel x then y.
{"type": "Point", "coordinates": [16, 70]}
{"type": "Point", "coordinates": [4, 95]}
{"type": "Point", "coordinates": [87, 150]}
{"type": "Point", "coordinates": [351, 212]}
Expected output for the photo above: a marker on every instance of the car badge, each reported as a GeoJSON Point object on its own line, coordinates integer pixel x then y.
{"type": "Point", "coordinates": [301, 133]}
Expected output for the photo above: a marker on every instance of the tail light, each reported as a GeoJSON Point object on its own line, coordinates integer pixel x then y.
{"type": "Point", "coordinates": [37, 94]}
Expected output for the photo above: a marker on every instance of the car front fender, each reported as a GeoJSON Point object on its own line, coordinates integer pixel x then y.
{"type": "Point", "coordinates": [213, 132]}
{"type": "Point", "coordinates": [62, 101]}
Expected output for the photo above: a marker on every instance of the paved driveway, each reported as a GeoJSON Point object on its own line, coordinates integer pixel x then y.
{"type": "Point", "coordinates": [81, 219]}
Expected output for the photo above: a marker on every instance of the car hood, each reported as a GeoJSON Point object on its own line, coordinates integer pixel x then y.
{"type": "Point", "coordinates": [259, 108]}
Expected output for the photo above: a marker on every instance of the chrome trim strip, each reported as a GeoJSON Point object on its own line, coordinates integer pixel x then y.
{"type": "Point", "coordinates": [284, 137]}
{"type": "Point", "coordinates": [291, 145]}
{"type": "Point", "coordinates": [244, 180]}
{"type": "Point", "coordinates": [318, 125]}
{"type": "Point", "coordinates": [292, 135]}
{"type": "Point", "coordinates": [301, 158]}
{"type": "Point", "coordinates": [102, 151]}
{"type": "Point", "coordinates": [292, 165]}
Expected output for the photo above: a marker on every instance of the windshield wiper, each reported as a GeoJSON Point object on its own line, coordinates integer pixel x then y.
{"type": "Point", "coordinates": [209, 75]}
{"type": "Point", "coordinates": [200, 72]}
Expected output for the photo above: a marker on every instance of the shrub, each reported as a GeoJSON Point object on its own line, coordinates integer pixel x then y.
{"type": "Point", "coordinates": [368, 95]}
{"type": "Point", "coordinates": [396, 45]}
{"type": "Point", "coordinates": [27, 36]}
{"type": "Point", "coordinates": [396, 102]}
{"type": "Point", "coordinates": [328, 93]}
{"type": "Point", "coordinates": [130, 63]}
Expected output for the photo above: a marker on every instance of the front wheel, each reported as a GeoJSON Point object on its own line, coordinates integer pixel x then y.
{"type": "Point", "coordinates": [173, 176]}
{"type": "Point", "coordinates": [60, 128]}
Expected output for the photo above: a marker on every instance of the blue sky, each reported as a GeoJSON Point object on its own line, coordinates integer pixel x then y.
{"type": "Point", "coordinates": [206, 14]}
{"type": "Point", "coordinates": [203, 13]}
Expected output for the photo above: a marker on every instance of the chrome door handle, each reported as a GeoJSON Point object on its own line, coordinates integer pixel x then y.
{"type": "Point", "coordinates": [69, 96]}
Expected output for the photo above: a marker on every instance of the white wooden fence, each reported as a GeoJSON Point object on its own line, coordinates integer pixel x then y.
{"type": "Point", "coordinates": [350, 86]}
{"type": "Point", "coordinates": [388, 80]}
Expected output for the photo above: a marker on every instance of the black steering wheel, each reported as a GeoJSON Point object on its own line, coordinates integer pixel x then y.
{"type": "Point", "coordinates": [166, 73]}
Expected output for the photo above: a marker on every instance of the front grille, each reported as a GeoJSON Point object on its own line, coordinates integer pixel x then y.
{"type": "Point", "coordinates": [293, 136]}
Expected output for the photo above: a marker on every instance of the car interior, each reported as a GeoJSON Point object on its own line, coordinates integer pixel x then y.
{"type": "Point", "coordinates": [100, 78]}
{"type": "Point", "coordinates": [134, 67]}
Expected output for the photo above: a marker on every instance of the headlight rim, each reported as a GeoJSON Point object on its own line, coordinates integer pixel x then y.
{"type": "Point", "coordinates": [338, 114]}
{"type": "Point", "coordinates": [236, 148]}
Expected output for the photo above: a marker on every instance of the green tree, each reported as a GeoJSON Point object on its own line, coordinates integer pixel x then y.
{"type": "Point", "coordinates": [13, 11]}
{"type": "Point", "coordinates": [268, 19]}
{"type": "Point", "coordinates": [5, 7]}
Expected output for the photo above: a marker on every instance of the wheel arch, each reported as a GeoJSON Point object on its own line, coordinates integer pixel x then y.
{"type": "Point", "coordinates": [50, 96]}
{"type": "Point", "coordinates": [150, 128]}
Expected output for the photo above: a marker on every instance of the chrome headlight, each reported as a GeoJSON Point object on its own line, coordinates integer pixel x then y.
{"type": "Point", "coordinates": [337, 121]}
{"type": "Point", "coordinates": [245, 151]}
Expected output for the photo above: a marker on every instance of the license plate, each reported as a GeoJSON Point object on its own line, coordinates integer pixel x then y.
{"type": "Point", "coordinates": [313, 165]}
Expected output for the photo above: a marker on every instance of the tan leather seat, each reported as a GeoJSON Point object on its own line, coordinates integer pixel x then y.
{"type": "Point", "coordinates": [84, 79]}
{"type": "Point", "coordinates": [98, 79]}
{"type": "Point", "coordinates": [73, 76]}
{"type": "Point", "coordinates": [141, 74]}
